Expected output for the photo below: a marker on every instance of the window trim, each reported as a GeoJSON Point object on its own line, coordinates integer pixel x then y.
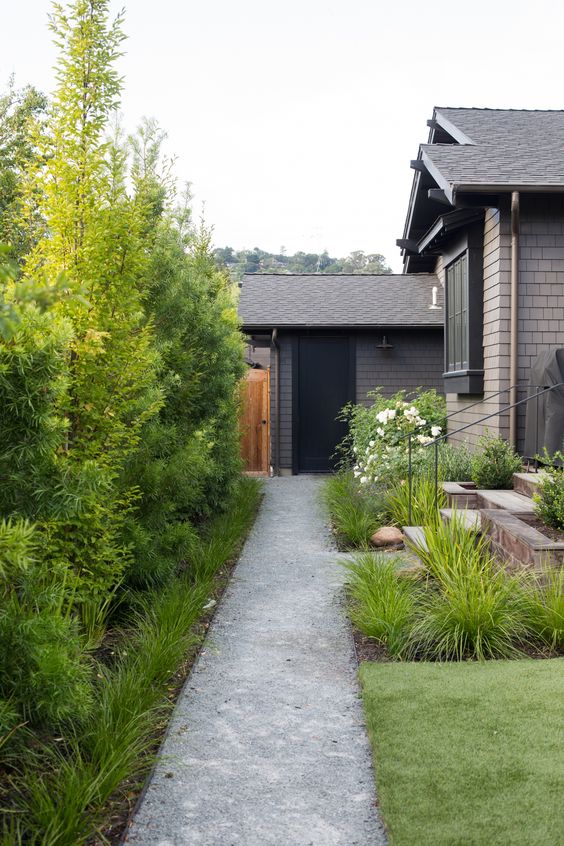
{"type": "Point", "coordinates": [469, 379]}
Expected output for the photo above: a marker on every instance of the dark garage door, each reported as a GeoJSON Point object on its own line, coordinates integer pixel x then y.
{"type": "Point", "coordinates": [325, 376]}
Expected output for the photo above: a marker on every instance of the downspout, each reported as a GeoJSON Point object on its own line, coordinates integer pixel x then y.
{"type": "Point", "coordinates": [276, 346]}
{"type": "Point", "coordinates": [514, 319]}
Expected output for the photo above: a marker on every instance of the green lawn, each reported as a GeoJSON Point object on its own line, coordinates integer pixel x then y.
{"type": "Point", "coordinates": [469, 754]}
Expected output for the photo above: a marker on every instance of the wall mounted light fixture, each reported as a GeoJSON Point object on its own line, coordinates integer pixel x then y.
{"type": "Point", "coordinates": [384, 345]}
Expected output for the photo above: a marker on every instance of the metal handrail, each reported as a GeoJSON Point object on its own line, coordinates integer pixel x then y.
{"type": "Point", "coordinates": [466, 408]}
{"type": "Point", "coordinates": [435, 443]}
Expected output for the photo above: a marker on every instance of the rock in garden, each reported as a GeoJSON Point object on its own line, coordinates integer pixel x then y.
{"type": "Point", "coordinates": [387, 536]}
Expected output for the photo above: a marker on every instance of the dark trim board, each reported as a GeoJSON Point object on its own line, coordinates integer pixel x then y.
{"type": "Point", "coordinates": [322, 465]}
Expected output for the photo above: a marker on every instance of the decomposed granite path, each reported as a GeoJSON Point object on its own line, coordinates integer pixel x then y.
{"type": "Point", "coordinates": [267, 745]}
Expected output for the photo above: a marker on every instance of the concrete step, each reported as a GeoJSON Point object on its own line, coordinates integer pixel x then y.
{"type": "Point", "coordinates": [514, 503]}
{"type": "Point", "coordinates": [415, 536]}
{"type": "Point", "coordinates": [527, 483]}
{"type": "Point", "coordinates": [469, 516]}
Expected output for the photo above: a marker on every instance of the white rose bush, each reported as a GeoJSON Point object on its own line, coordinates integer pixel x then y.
{"type": "Point", "coordinates": [378, 436]}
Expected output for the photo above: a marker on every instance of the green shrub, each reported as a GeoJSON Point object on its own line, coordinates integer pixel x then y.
{"type": "Point", "coordinates": [62, 790]}
{"type": "Point", "coordinates": [472, 609]}
{"type": "Point", "coordinates": [44, 675]}
{"type": "Point", "coordinates": [455, 463]}
{"type": "Point", "coordinates": [383, 604]}
{"type": "Point", "coordinates": [426, 500]}
{"type": "Point", "coordinates": [355, 515]}
{"type": "Point", "coordinates": [494, 463]}
{"type": "Point", "coordinates": [549, 498]}
{"type": "Point", "coordinates": [544, 606]}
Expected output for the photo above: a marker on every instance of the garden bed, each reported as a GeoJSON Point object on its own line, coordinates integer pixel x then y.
{"type": "Point", "coordinates": [556, 535]}
{"type": "Point", "coordinates": [48, 787]}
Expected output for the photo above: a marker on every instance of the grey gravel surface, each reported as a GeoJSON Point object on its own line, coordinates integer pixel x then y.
{"type": "Point", "coordinates": [267, 745]}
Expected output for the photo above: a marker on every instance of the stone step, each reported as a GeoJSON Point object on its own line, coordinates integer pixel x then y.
{"type": "Point", "coordinates": [527, 483]}
{"type": "Point", "coordinates": [415, 537]}
{"type": "Point", "coordinates": [460, 494]}
{"type": "Point", "coordinates": [514, 503]}
{"type": "Point", "coordinates": [469, 517]}
{"type": "Point", "coordinates": [519, 544]}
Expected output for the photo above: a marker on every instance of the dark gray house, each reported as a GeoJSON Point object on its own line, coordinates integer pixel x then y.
{"type": "Point", "coordinates": [332, 339]}
{"type": "Point", "coordinates": [486, 216]}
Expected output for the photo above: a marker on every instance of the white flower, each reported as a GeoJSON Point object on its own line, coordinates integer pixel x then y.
{"type": "Point", "coordinates": [391, 413]}
{"type": "Point", "coordinates": [355, 450]}
{"type": "Point", "coordinates": [420, 421]}
{"type": "Point", "coordinates": [373, 443]}
{"type": "Point", "coordinates": [382, 416]}
{"type": "Point", "coordinates": [424, 439]}
{"type": "Point", "coordinates": [380, 431]}
{"type": "Point", "coordinates": [356, 474]}
{"type": "Point", "coordinates": [363, 480]}
{"type": "Point", "coordinates": [367, 450]}
{"type": "Point", "coordinates": [436, 431]}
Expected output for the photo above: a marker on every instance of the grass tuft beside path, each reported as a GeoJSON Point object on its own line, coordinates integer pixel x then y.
{"type": "Point", "coordinates": [468, 754]}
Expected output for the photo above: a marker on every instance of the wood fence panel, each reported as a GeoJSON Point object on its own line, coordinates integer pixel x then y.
{"type": "Point", "coordinates": [255, 421]}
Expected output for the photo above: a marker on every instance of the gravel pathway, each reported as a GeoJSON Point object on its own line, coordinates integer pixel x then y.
{"type": "Point", "coordinates": [267, 745]}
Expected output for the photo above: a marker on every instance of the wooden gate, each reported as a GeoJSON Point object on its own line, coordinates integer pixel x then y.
{"type": "Point", "coordinates": [255, 422]}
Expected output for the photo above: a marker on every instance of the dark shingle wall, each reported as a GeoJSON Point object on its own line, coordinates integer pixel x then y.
{"type": "Point", "coordinates": [415, 361]}
{"type": "Point", "coordinates": [285, 343]}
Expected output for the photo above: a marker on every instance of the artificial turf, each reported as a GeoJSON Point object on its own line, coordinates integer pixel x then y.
{"type": "Point", "coordinates": [468, 754]}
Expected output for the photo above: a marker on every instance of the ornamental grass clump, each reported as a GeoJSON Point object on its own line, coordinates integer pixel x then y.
{"type": "Point", "coordinates": [544, 606]}
{"type": "Point", "coordinates": [354, 514]}
{"type": "Point", "coordinates": [383, 604]}
{"type": "Point", "coordinates": [472, 609]}
{"type": "Point", "coordinates": [426, 500]}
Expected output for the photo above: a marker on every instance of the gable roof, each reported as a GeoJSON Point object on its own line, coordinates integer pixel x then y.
{"type": "Point", "coordinates": [473, 152]}
{"type": "Point", "coordinates": [497, 149]}
{"type": "Point", "coordinates": [331, 300]}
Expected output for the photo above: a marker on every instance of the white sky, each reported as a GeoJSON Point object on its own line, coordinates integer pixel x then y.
{"type": "Point", "coordinates": [295, 121]}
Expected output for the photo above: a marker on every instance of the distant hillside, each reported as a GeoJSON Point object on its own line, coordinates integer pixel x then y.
{"type": "Point", "coordinates": [259, 261]}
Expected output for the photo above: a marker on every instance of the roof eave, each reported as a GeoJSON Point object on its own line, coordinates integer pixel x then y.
{"type": "Point", "coordinates": [504, 188]}
{"type": "Point", "coordinates": [248, 329]}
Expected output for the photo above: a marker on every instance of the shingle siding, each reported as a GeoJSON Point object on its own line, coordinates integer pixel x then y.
{"type": "Point", "coordinates": [416, 360]}
{"type": "Point", "coordinates": [541, 304]}
{"type": "Point", "coordinates": [285, 404]}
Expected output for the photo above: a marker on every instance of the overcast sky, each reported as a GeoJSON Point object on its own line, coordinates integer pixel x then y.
{"type": "Point", "coordinates": [295, 121]}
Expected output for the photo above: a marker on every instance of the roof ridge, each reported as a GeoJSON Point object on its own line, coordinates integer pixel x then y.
{"type": "Point", "coordinates": [493, 109]}
{"type": "Point", "coordinates": [349, 275]}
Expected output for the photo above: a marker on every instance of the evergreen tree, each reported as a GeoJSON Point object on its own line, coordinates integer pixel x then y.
{"type": "Point", "coordinates": [22, 114]}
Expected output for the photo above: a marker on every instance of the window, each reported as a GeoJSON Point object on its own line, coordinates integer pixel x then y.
{"type": "Point", "coordinates": [457, 305]}
{"type": "Point", "coordinates": [463, 260]}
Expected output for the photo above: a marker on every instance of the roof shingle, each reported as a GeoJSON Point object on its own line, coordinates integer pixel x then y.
{"type": "Point", "coordinates": [506, 147]}
{"type": "Point", "coordinates": [323, 300]}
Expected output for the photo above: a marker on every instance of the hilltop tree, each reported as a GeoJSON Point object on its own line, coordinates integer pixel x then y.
{"type": "Point", "coordinates": [260, 261]}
